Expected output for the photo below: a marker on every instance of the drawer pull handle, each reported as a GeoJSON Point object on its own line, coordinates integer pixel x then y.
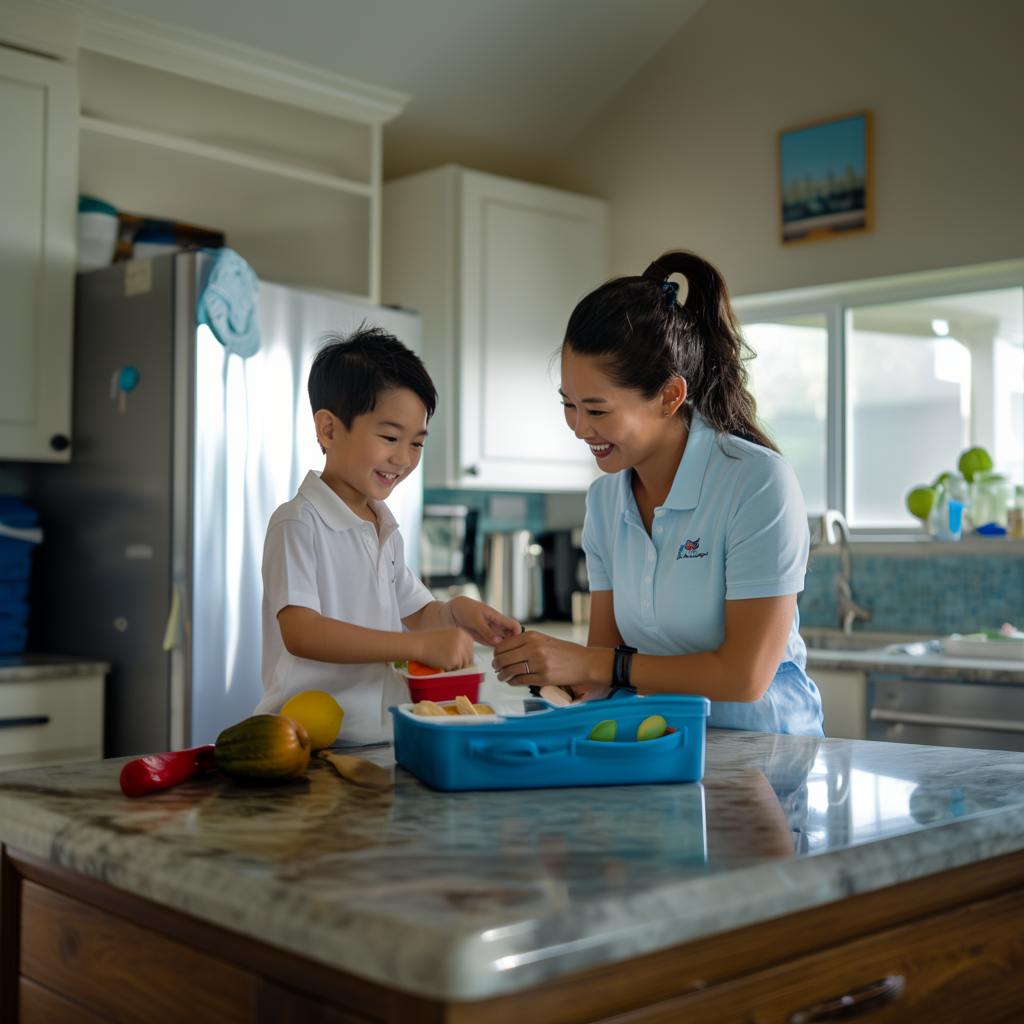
{"type": "Point", "coordinates": [950, 721]}
{"type": "Point", "coordinates": [858, 1003]}
{"type": "Point", "coordinates": [17, 723]}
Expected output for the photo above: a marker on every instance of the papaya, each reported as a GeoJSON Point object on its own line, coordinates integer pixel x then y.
{"type": "Point", "coordinates": [417, 668]}
{"type": "Point", "coordinates": [263, 748]}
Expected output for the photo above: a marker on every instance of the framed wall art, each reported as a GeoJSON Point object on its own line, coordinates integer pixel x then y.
{"type": "Point", "coordinates": [826, 177]}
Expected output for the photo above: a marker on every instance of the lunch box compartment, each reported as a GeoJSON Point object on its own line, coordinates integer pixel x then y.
{"type": "Point", "coordinates": [550, 748]}
{"type": "Point", "coordinates": [446, 685]}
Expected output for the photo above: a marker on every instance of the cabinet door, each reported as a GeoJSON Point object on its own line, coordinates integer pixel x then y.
{"type": "Point", "coordinates": [528, 254]}
{"type": "Point", "coordinates": [38, 175]}
{"type": "Point", "coordinates": [844, 702]}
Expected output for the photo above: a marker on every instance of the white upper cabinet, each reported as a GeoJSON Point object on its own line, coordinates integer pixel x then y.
{"type": "Point", "coordinates": [284, 158]}
{"type": "Point", "coordinates": [495, 267]}
{"type": "Point", "coordinates": [38, 188]}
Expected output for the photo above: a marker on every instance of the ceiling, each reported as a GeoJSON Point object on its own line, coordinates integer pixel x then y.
{"type": "Point", "coordinates": [501, 85]}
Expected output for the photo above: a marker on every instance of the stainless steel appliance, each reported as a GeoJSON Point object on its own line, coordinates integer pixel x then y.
{"type": "Point", "coordinates": [961, 713]}
{"type": "Point", "coordinates": [155, 528]}
{"type": "Point", "coordinates": [448, 546]}
{"type": "Point", "coordinates": [565, 572]}
{"type": "Point", "coordinates": [514, 576]}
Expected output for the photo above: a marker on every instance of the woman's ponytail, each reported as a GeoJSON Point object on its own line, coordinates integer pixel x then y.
{"type": "Point", "coordinates": [646, 338]}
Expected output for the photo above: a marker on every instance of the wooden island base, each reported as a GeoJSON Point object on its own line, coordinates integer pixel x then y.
{"type": "Point", "coordinates": [949, 947]}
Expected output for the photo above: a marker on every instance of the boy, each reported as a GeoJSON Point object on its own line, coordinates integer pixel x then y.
{"type": "Point", "coordinates": [336, 589]}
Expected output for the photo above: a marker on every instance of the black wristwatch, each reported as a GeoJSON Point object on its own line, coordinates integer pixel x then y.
{"type": "Point", "coordinates": [622, 666]}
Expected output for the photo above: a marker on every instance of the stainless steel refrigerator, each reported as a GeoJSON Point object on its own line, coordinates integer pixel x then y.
{"type": "Point", "coordinates": [154, 530]}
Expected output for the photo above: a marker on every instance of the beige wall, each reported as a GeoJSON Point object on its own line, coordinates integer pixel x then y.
{"type": "Point", "coordinates": [687, 152]}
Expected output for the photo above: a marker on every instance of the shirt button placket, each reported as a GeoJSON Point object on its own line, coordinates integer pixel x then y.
{"type": "Point", "coordinates": [648, 593]}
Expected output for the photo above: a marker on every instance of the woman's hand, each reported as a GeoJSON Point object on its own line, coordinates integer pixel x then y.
{"type": "Point", "coordinates": [481, 622]}
{"type": "Point", "coordinates": [535, 659]}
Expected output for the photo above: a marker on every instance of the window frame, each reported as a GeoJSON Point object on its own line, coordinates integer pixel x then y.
{"type": "Point", "coordinates": [833, 301]}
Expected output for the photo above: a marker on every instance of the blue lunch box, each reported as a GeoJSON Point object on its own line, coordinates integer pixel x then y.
{"type": "Point", "coordinates": [548, 746]}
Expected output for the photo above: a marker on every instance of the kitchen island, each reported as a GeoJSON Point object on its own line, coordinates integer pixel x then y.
{"type": "Point", "coordinates": [800, 872]}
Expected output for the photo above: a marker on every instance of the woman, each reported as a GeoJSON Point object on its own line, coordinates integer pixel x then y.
{"type": "Point", "coordinates": [696, 537]}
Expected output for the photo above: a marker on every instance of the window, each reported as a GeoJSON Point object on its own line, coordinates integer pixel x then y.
{"type": "Point", "coordinates": [789, 380]}
{"type": "Point", "coordinates": [874, 388]}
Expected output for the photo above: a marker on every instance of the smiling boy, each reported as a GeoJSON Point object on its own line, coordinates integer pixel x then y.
{"type": "Point", "coordinates": [336, 589]}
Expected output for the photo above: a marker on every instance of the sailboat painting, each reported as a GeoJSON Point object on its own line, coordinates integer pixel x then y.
{"type": "Point", "coordinates": [826, 178]}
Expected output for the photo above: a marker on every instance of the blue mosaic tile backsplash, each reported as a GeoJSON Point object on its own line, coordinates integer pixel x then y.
{"type": "Point", "coordinates": [937, 595]}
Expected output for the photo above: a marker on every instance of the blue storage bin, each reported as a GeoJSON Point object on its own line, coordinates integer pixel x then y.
{"type": "Point", "coordinates": [549, 748]}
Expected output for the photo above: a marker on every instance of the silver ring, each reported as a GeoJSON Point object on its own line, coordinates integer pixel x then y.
{"type": "Point", "coordinates": [527, 664]}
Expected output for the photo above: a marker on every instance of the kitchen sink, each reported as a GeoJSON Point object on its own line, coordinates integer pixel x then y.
{"type": "Point", "coordinates": [823, 639]}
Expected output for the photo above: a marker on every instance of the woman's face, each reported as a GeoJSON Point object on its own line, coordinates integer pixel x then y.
{"type": "Point", "coordinates": [622, 427]}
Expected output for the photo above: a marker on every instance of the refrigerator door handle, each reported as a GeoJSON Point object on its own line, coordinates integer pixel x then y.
{"type": "Point", "coordinates": [174, 633]}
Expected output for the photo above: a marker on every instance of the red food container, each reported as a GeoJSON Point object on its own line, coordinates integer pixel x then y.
{"type": "Point", "coordinates": [445, 685]}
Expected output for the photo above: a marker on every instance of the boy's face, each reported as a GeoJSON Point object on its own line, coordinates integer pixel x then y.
{"type": "Point", "coordinates": [382, 447]}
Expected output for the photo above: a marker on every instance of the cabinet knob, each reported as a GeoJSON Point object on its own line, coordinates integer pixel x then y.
{"type": "Point", "coordinates": [472, 471]}
{"type": "Point", "coordinates": [857, 1003]}
{"type": "Point", "coordinates": [59, 442]}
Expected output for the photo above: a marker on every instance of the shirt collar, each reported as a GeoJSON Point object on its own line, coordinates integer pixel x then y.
{"type": "Point", "coordinates": [689, 478]}
{"type": "Point", "coordinates": [335, 513]}
{"type": "Point", "coordinates": [686, 486]}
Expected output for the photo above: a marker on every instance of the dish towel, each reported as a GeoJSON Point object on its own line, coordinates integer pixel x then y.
{"type": "Point", "coordinates": [19, 536]}
{"type": "Point", "coordinates": [228, 303]}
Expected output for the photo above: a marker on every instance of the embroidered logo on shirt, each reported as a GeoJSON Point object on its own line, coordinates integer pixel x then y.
{"type": "Point", "coordinates": [689, 550]}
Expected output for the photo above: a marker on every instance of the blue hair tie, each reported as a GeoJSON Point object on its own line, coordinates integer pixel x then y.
{"type": "Point", "coordinates": [670, 292]}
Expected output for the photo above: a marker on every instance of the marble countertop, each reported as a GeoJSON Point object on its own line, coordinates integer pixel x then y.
{"type": "Point", "coordinates": [934, 666]}
{"type": "Point", "coordinates": [22, 668]}
{"type": "Point", "coordinates": [468, 895]}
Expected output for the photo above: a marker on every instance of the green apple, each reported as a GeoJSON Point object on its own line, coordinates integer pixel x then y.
{"type": "Point", "coordinates": [974, 461]}
{"type": "Point", "coordinates": [921, 501]}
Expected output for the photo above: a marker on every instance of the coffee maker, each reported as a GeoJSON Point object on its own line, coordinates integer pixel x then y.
{"type": "Point", "coordinates": [448, 551]}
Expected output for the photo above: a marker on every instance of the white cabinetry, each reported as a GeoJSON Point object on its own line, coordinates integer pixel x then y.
{"type": "Point", "coordinates": [844, 702]}
{"type": "Point", "coordinates": [283, 157]}
{"type": "Point", "coordinates": [495, 267]}
{"type": "Point", "coordinates": [50, 713]}
{"type": "Point", "coordinates": [38, 172]}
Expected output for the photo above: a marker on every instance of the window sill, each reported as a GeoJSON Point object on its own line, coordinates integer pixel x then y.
{"type": "Point", "coordinates": [921, 546]}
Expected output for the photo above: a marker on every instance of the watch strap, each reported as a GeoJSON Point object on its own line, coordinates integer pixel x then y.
{"type": "Point", "coordinates": [622, 667]}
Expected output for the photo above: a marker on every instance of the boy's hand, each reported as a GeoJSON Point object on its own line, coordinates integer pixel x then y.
{"type": "Point", "coordinates": [447, 649]}
{"type": "Point", "coordinates": [482, 622]}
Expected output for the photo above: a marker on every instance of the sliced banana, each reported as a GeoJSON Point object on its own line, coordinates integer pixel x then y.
{"type": "Point", "coordinates": [428, 709]}
{"type": "Point", "coordinates": [465, 705]}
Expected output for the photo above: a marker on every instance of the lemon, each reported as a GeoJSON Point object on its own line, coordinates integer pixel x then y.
{"type": "Point", "coordinates": [319, 713]}
{"type": "Point", "coordinates": [651, 728]}
{"type": "Point", "coordinates": [974, 461]}
{"type": "Point", "coordinates": [921, 501]}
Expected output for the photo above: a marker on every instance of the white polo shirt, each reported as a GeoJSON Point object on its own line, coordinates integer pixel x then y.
{"type": "Point", "coordinates": [732, 527]}
{"type": "Point", "coordinates": [319, 554]}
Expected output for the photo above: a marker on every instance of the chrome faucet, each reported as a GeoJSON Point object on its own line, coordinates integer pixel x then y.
{"type": "Point", "coordinates": [835, 530]}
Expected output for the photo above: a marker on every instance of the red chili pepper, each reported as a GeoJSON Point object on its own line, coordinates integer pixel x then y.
{"type": "Point", "coordinates": [160, 771]}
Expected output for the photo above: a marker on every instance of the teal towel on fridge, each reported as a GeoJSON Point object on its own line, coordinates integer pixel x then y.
{"type": "Point", "coordinates": [228, 304]}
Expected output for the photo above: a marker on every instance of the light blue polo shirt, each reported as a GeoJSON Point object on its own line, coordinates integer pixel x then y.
{"type": "Point", "coordinates": [733, 526]}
